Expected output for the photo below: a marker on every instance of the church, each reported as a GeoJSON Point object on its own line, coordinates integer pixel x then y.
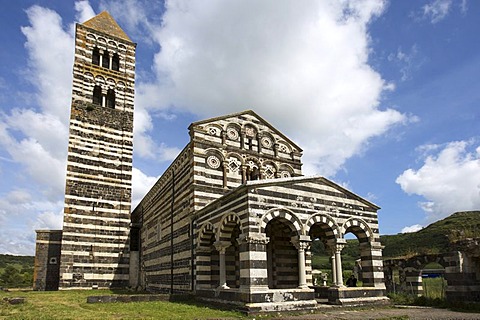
{"type": "Point", "coordinates": [232, 219]}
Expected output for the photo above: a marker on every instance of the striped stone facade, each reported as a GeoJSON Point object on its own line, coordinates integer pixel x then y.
{"type": "Point", "coordinates": [232, 219]}
{"type": "Point", "coordinates": [95, 243]}
{"type": "Point", "coordinates": [47, 260]}
{"type": "Point", "coordinates": [223, 154]}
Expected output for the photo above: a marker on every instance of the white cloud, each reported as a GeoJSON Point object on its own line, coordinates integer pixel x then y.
{"type": "Point", "coordinates": [141, 184]}
{"type": "Point", "coordinates": [310, 73]}
{"type": "Point", "coordinates": [408, 62]}
{"type": "Point", "coordinates": [449, 179]}
{"type": "Point", "coordinates": [24, 212]}
{"type": "Point", "coordinates": [413, 228]}
{"type": "Point", "coordinates": [35, 140]}
{"type": "Point", "coordinates": [436, 10]}
{"type": "Point", "coordinates": [50, 50]}
{"type": "Point", "coordinates": [463, 7]}
{"type": "Point", "coordinates": [84, 11]}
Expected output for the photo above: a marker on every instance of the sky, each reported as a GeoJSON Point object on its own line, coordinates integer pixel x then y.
{"type": "Point", "coordinates": [383, 96]}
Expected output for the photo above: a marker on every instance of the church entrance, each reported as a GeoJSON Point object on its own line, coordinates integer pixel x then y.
{"type": "Point", "coordinates": [282, 256]}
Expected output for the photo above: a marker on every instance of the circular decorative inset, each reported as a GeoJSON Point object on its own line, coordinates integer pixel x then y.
{"type": "Point", "coordinates": [250, 132]}
{"type": "Point", "coordinates": [285, 174]}
{"type": "Point", "coordinates": [266, 142]}
{"type": "Point", "coordinates": [213, 162]}
{"type": "Point", "coordinates": [282, 148]}
{"type": "Point", "coordinates": [232, 134]}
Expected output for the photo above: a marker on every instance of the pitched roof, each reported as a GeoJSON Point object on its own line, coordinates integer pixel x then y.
{"type": "Point", "coordinates": [250, 112]}
{"type": "Point", "coordinates": [104, 22]}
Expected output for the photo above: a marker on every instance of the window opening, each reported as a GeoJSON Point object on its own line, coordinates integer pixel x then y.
{"type": "Point", "coordinates": [97, 95]}
{"type": "Point", "coordinates": [115, 62]}
{"type": "Point", "coordinates": [96, 56]}
{"type": "Point", "coordinates": [111, 99]}
{"type": "Point", "coordinates": [106, 59]}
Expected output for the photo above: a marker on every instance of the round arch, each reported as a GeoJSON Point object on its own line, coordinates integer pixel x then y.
{"type": "Point", "coordinates": [295, 224]}
{"type": "Point", "coordinates": [332, 231]}
{"type": "Point", "coordinates": [226, 226]}
{"type": "Point", "coordinates": [205, 234]}
{"type": "Point", "coordinates": [359, 228]}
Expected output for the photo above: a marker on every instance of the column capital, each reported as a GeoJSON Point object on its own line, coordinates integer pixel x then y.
{"type": "Point", "coordinates": [340, 243]}
{"type": "Point", "coordinates": [253, 238]}
{"type": "Point", "coordinates": [301, 242]}
{"type": "Point", "coordinates": [221, 246]}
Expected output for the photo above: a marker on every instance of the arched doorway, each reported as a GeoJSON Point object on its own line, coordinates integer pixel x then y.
{"type": "Point", "coordinates": [322, 237]}
{"type": "Point", "coordinates": [229, 253]}
{"type": "Point", "coordinates": [357, 255]}
{"type": "Point", "coordinates": [232, 259]}
{"type": "Point", "coordinates": [282, 256]}
{"type": "Point", "coordinates": [207, 259]}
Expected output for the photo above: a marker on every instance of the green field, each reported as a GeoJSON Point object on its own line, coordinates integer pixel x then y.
{"type": "Point", "coordinates": [73, 305]}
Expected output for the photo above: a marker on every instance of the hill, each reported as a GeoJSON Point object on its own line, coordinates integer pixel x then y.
{"type": "Point", "coordinates": [16, 271]}
{"type": "Point", "coordinates": [435, 238]}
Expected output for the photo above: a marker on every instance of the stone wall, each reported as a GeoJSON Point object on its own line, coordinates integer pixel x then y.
{"type": "Point", "coordinates": [47, 260]}
{"type": "Point", "coordinates": [95, 244]}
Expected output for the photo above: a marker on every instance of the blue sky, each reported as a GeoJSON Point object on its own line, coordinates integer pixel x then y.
{"type": "Point", "coordinates": [383, 96]}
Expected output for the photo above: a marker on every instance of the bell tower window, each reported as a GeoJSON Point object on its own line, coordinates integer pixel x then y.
{"type": "Point", "coordinates": [111, 99]}
{"type": "Point", "coordinates": [101, 100]}
{"type": "Point", "coordinates": [115, 62]}
{"type": "Point", "coordinates": [96, 56]}
{"type": "Point", "coordinates": [106, 59]}
{"type": "Point", "coordinates": [97, 95]}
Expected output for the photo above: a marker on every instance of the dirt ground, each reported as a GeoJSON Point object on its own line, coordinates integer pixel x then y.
{"type": "Point", "coordinates": [386, 313]}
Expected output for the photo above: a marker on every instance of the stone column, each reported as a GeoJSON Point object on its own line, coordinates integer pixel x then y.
{"type": "Point", "coordinates": [225, 172]}
{"type": "Point", "coordinates": [221, 246]}
{"type": "Point", "coordinates": [244, 173]}
{"type": "Point", "coordinates": [242, 140]}
{"type": "Point", "coordinates": [301, 243]}
{"type": "Point", "coordinates": [259, 142]}
{"type": "Point", "coordinates": [275, 149]}
{"type": "Point", "coordinates": [334, 270]}
{"type": "Point", "coordinates": [223, 134]}
{"type": "Point", "coordinates": [100, 58]}
{"type": "Point", "coordinates": [339, 245]}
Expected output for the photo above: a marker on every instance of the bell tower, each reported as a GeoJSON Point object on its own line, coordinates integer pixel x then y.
{"type": "Point", "coordinates": [95, 239]}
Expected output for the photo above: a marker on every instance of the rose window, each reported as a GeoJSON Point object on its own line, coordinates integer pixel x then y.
{"type": "Point", "coordinates": [213, 162]}
{"type": "Point", "coordinates": [232, 134]}
{"type": "Point", "coordinates": [285, 174]}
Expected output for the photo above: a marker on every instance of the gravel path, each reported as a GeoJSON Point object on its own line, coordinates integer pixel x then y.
{"type": "Point", "coordinates": [387, 313]}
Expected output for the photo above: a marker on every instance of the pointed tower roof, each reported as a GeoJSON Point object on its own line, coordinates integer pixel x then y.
{"type": "Point", "coordinates": [104, 22]}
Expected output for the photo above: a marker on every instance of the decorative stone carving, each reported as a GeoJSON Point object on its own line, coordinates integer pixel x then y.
{"type": "Point", "coordinates": [232, 134]}
{"type": "Point", "coordinates": [213, 162]}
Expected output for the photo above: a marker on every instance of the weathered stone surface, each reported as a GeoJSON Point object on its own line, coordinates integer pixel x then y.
{"type": "Point", "coordinates": [17, 300]}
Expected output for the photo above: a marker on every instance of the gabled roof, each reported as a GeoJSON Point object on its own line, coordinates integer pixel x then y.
{"type": "Point", "coordinates": [103, 22]}
{"type": "Point", "coordinates": [252, 113]}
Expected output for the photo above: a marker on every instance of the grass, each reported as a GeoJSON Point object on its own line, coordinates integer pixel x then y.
{"type": "Point", "coordinates": [73, 305]}
{"type": "Point", "coordinates": [434, 288]}
{"type": "Point", "coordinates": [433, 296]}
